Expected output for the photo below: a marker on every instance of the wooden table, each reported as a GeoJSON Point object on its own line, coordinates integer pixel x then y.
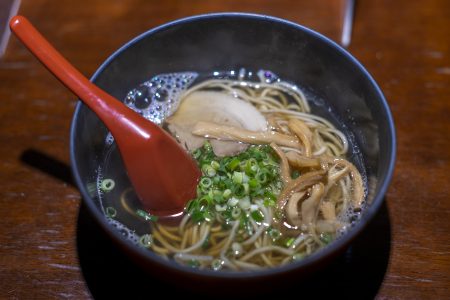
{"type": "Point", "coordinates": [51, 248]}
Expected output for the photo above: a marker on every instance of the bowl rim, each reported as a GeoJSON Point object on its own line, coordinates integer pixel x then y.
{"type": "Point", "coordinates": [335, 247]}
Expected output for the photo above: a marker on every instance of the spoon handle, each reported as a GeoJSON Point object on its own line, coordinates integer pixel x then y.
{"type": "Point", "coordinates": [104, 105]}
{"type": "Point", "coordinates": [163, 174]}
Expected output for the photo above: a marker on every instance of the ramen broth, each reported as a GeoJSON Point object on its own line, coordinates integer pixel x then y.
{"type": "Point", "coordinates": [157, 100]}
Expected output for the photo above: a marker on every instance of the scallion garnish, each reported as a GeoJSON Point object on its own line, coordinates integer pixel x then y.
{"type": "Point", "coordinates": [295, 174]}
{"type": "Point", "coordinates": [205, 182]}
{"type": "Point", "coordinates": [196, 154]}
{"type": "Point", "coordinates": [257, 215]}
{"type": "Point", "coordinates": [215, 165]}
{"type": "Point", "coordinates": [208, 170]}
{"type": "Point", "coordinates": [229, 186]}
{"type": "Point", "coordinates": [146, 240]}
{"type": "Point", "coordinates": [235, 212]}
{"type": "Point", "coordinates": [107, 185]}
{"type": "Point", "coordinates": [289, 242]}
{"type": "Point", "coordinates": [193, 263]}
{"type": "Point", "coordinates": [275, 234]}
{"type": "Point", "coordinates": [146, 216]}
{"type": "Point", "coordinates": [217, 264]}
{"type": "Point", "coordinates": [238, 177]}
{"type": "Point", "coordinates": [326, 238]}
{"type": "Point", "coordinates": [233, 164]}
{"type": "Point", "coordinates": [111, 212]}
{"type": "Point", "coordinates": [226, 194]}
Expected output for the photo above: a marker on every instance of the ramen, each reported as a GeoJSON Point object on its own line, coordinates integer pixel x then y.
{"type": "Point", "coordinates": [276, 183]}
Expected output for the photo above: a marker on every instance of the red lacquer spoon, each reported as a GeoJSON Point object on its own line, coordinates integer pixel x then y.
{"type": "Point", "coordinates": [162, 173]}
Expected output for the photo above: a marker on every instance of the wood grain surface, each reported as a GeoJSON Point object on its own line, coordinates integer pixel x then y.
{"type": "Point", "coordinates": [51, 248]}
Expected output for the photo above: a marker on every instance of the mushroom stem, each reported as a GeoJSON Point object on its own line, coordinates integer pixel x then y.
{"type": "Point", "coordinates": [231, 133]}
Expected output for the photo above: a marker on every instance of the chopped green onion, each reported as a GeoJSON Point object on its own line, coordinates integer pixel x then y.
{"type": "Point", "coordinates": [247, 226]}
{"type": "Point", "coordinates": [208, 215]}
{"type": "Point", "coordinates": [235, 212]}
{"type": "Point", "coordinates": [238, 177]}
{"type": "Point", "coordinates": [244, 203]}
{"type": "Point", "coordinates": [275, 234]}
{"type": "Point", "coordinates": [232, 165]}
{"type": "Point", "coordinates": [289, 242]}
{"type": "Point", "coordinates": [107, 185]}
{"type": "Point", "coordinates": [207, 146]}
{"type": "Point", "coordinates": [208, 170]}
{"type": "Point", "coordinates": [146, 240]}
{"type": "Point", "coordinates": [227, 193]}
{"type": "Point", "coordinates": [111, 212]}
{"type": "Point", "coordinates": [198, 216]}
{"type": "Point", "coordinates": [197, 153]}
{"type": "Point", "coordinates": [240, 191]}
{"type": "Point", "coordinates": [191, 205]}
{"type": "Point", "coordinates": [193, 263]}
{"type": "Point", "coordinates": [246, 188]}
{"type": "Point", "coordinates": [217, 264]}
{"type": "Point", "coordinates": [218, 198]}
{"type": "Point", "coordinates": [215, 165]}
{"type": "Point", "coordinates": [326, 237]}
{"type": "Point", "coordinates": [278, 214]}
{"type": "Point", "coordinates": [262, 177]}
{"type": "Point", "coordinates": [257, 215]}
{"type": "Point", "coordinates": [203, 202]}
{"type": "Point", "coordinates": [205, 182]}
{"type": "Point", "coordinates": [254, 207]}
{"type": "Point", "coordinates": [230, 186]}
{"type": "Point", "coordinates": [251, 166]}
{"type": "Point", "coordinates": [146, 216]}
{"type": "Point", "coordinates": [233, 201]}
{"type": "Point", "coordinates": [295, 174]}
{"type": "Point", "coordinates": [245, 178]}
{"type": "Point", "coordinates": [269, 202]}
{"type": "Point", "coordinates": [269, 195]}
{"type": "Point", "coordinates": [221, 208]}
{"type": "Point", "coordinates": [253, 183]}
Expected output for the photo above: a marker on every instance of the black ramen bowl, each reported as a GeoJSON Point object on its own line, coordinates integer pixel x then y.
{"type": "Point", "coordinates": [231, 41]}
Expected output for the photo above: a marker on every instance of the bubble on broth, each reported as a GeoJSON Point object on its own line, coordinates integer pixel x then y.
{"type": "Point", "coordinates": [267, 76]}
{"type": "Point", "coordinates": [124, 230]}
{"type": "Point", "coordinates": [158, 98]}
{"type": "Point", "coordinates": [109, 139]}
